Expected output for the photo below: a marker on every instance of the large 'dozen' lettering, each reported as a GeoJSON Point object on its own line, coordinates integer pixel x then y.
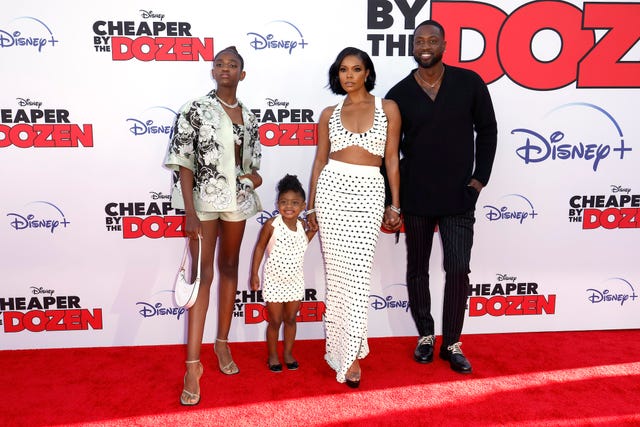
{"type": "Point", "coordinates": [593, 42]}
{"type": "Point", "coordinates": [508, 42]}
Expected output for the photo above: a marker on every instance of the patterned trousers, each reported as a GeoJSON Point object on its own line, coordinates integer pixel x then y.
{"type": "Point", "coordinates": [456, 234]}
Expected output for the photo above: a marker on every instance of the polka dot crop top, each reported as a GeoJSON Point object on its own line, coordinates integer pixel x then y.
{"type": "Point", "coordinates": [373, 140]}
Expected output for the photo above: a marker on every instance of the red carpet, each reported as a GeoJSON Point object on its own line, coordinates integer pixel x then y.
{"type": "Point", "coordinates": [532, 379]}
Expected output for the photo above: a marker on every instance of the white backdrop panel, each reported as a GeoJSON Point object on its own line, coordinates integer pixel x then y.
{"type": "Point", "coordinates": [99, 271]}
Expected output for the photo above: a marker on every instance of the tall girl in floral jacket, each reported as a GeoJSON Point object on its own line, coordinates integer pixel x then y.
{"type": "Point", "coordinates": [215, 155]}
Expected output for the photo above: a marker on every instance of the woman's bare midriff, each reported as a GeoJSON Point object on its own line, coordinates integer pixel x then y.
{"type": "Point", "coordinates": [356, 156]}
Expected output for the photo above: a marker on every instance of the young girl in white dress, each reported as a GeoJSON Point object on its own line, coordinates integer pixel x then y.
{"type": "Point", "coordinates": [285, 240]}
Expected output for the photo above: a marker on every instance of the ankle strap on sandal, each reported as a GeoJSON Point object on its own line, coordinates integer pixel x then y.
{"type": "Point", "coordinates": [218, 339]}
{"type": "Point", "coordinates": [192, 361]}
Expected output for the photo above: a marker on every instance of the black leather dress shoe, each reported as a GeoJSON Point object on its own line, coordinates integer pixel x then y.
{"type": "Point", "coordinates": [424, 350]}
{"type": "Point", "coordinates": [453, 354]}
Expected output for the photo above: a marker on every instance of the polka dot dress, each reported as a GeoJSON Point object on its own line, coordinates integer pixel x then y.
{"type": "Point", "coordinates": [283, 279]}
{"type": "Point", "coordinates": [349, 207]}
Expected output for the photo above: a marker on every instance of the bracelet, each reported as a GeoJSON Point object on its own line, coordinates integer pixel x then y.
{"type": "Point", "coordinates": [310, 211]}
{"type": "Point", "coordinates": [394, 209]}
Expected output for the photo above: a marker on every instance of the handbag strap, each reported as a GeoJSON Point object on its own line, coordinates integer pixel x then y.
{"type": "Point", "coordinates": [184, 257]}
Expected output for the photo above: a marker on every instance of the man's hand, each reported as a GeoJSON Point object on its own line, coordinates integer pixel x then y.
{"type": "Point", "coordinates": [476, 184]}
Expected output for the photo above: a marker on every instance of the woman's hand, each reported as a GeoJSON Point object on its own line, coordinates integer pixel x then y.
{"type": "Point", "coordinates": [192, 226]}
{"type": "Point", "coordinates": [312, 222]}
{"type": "Point", "coordinates": [255, 178]}
{"type": "Point", "coordinates": [255, 282]}
{"type": "Point", "coordinates": [392, 220]}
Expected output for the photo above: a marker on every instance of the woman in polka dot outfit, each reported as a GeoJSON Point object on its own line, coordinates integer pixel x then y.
{"type": "Point", "coordinates": [346, 202]}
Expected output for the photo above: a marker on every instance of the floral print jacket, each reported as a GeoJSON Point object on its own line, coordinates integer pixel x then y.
{"type": "Point", "coordinates": [202, 140]}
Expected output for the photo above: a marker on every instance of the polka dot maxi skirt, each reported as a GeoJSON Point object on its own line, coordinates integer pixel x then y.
{"type": "Point", "coordinates": [349, 207]}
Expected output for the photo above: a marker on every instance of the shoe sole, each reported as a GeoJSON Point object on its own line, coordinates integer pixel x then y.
{"type": "Point", "coordinates": [423, 361]}
{"type": "Point", "coordinates": [186, 403]}
{"type": "Point", "coordinates": [230, 369]}
{"type": "Point", "coordinates": [352, 384]}
{"type": "Point", "coordinates": [460, 371]}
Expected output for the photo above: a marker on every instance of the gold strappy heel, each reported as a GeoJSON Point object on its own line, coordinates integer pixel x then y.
{"type": "Point", "coordinates": [230, 368]}
{"type": "Point", "coordinates": [189, 401]}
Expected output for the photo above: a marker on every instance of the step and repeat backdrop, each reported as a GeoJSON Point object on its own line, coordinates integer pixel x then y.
{"type": "Point", "coordinates": [91, 244]}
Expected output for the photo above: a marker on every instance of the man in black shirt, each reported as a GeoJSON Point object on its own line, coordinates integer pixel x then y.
{"type": "Point", "coordinates": [448, 146]}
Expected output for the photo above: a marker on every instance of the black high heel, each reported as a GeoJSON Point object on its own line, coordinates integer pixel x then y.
{"type": "Point", "coordinates": [352, 380]}
{"type": "Point", "coordinates": [352, 383]}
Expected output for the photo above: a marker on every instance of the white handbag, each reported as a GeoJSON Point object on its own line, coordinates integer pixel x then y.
{"type": "Point", "coordinates": [185, 293]}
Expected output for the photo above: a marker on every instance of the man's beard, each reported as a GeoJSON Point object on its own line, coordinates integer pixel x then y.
{"type": "Point", "coordinates": [429, 63]}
